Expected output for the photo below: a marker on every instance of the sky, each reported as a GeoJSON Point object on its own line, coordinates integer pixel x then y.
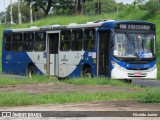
{"type": "Point", "coordinates": [7, 2]}
{"type": "Point", "coordinates": [125, 1]}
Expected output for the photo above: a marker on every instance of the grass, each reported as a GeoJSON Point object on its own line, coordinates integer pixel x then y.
{"type": "Point", "coordinates": [76, 81]}
{"type": "Point", "coordinates": [151, 96]}
{"type": "Point", "coordinates": [17, 99]}
{"type": "Point", "coordinates": [97, 81]}
{"type": "Point", "coordinates": [25, 80]}
{"type": "Point", "coordinates": [147, 95]}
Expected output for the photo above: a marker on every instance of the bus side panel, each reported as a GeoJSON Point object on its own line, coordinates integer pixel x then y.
{"type": "Point", "coordinates": [39, 60]}
{"type": "Point", "coordinates": [86, 59]}
{"type": "Point", "coordinates": [17, 63]}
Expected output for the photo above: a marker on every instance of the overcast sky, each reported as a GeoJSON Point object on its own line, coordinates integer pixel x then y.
{"type": "Point", "coordinates": [7, 2]}
{"type": "Point", "coordinates": [125, 1]}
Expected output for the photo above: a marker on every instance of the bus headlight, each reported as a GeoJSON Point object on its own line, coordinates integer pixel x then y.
{"type": "Point", "coordinates": [114, 64]}
{"type": "Point", "coordinates": [153, 68]}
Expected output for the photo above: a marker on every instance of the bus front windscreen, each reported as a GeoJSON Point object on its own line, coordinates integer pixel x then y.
{"type": "Point", "coordinates": [128, 45]}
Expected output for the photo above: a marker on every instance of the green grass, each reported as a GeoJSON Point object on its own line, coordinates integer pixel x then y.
{"type": "Point", "coordinates": [17, 99]}
{"type": "Point", "coordinates": [25, 80]}
{"type": "Point", "coordinates": [97, 81]}
{"type": "Point", "coordinates": [76, 81]}
{"type": "Point", "coordinates": [144, 95]}
{"type": "Point", "coordinates": [151, 96]}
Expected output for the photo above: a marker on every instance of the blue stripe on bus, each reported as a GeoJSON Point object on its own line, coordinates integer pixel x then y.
{"type": "Point", "coordinates": [16, 63]}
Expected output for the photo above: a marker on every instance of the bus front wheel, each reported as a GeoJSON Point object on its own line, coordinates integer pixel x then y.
{"type": "Point", "coordinates": [31, 71]}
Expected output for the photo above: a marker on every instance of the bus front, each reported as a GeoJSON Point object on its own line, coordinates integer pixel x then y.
{"type": "Point", "coordinates": [134, 52]}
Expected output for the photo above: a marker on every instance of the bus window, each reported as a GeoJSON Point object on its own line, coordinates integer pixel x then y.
{"type": "Point", "coordinates": [28, 41]}
{"type": "Point", "coordinates": [65, 40]}
{"type": "Point", "coordinates": [40, 41]}
{"type": "Point", "coordinates": [89, 39]}
{"type": "Point", "coordinates": [17, 41]}
{"type": "Point", "coordinates": [7, 42]}
{"type": "Point", "coordinates": [77, 40]}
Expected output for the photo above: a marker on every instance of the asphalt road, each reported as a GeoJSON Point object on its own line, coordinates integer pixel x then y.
{"type": "Point", "coordinates": [149, 83]}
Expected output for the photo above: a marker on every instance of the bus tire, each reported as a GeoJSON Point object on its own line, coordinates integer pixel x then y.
{"type": "Point", "coordinates": [31, 71]}
{"type": "Point", "coordinates": [87, 72]}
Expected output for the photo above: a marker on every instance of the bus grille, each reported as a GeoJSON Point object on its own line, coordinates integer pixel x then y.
{"type": "Point", "coordinates": [137, 68]}
{"type": "Point", "coordinates": [137, 74]}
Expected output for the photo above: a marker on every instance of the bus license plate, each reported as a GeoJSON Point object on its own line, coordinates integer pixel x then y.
{"type": "Point", "coordinates": [137, 74]}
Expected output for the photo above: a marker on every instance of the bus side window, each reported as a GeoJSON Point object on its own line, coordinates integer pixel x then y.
{"type": "Point", "coordinates": [28, 41]}
{"type": "Point", "coordinates": [7, 38]}
{"type": "Point", "coordinates": [16, 41]}
{"type": "Point", "coordinates": [89, 39]}
{"type": "Point", "coordinates": [40, 41]}
{"type": "Point", "coordinates": [77, 39]}
{"type": "Point", "coordinates": [65, 40]}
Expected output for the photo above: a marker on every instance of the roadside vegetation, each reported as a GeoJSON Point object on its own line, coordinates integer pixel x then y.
{"type": "Point", "coordinates": [7, 80]}
{"type": "Point", "coordinates": [17, 99]}
{"type": "Point", "coordinates": [98, 81]}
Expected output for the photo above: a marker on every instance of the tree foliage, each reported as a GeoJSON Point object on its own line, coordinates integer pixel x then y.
{"type": "Point", "coordinates": [59, 6]}
{"type": "Point", "coordinates": [45, 5]}
{"type": "Point", "coordinates": [24, 11]}
{"type": "Point", "coordinates": [107, 6]}
{"type": "Point", "coordinates": [43, 8]}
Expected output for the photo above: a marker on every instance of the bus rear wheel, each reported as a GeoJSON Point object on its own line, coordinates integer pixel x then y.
{"type": "Point", "coordinates": [87, 72]}
{"type": "Point", "coordinates": [31, 71]}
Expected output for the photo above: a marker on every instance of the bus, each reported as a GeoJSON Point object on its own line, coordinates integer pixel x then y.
{"type": "Point", "coordinates": [103, 48]}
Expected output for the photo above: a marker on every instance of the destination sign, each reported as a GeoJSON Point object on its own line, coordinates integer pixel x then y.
{"type": "Point", "coordinates": [49, 28]}
{"type": "Point", "coordinates": [132, 26]}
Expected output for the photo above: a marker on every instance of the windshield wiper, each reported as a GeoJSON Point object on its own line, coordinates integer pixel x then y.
{"type": "Point", "coordinates": [133, 43]}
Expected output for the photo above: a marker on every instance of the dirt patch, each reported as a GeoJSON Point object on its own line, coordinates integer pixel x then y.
{"type": "Point", "coordinates": [62, 87]}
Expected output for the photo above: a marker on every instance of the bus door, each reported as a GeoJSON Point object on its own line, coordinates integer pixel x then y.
{"type": "Point", "coordinates": [103, 56]}
{"type": "Point", "coordinates": [52, 52]}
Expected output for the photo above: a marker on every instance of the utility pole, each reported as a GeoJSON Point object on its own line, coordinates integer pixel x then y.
{"type": "Point", "coordinates": [31, 12]}
{"type": "Point", "coordinates": [98, 7]}
{"type": "Point", "coordinates": [19, 12]}
{"type": "Point", "coordinates": [11, 12]}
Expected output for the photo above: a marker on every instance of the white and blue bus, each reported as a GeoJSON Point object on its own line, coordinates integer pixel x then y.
{"type": "Point", "coordinates": [104, 48]}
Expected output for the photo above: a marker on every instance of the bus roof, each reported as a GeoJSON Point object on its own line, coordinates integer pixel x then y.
{"type": "Point", "coordinates": [75, 25]}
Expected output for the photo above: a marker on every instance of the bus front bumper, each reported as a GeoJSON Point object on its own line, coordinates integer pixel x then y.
{"type": "Point", "coordinates": [133, 74]}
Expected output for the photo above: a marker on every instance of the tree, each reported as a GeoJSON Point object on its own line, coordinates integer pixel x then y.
{"type": "Point", "coordinates": [2, 16]}
{"type": "Point", "coordinates": [65, 7]}
{"type": "Point", "coordinates": [107, 6]}
{"type": "Point", "coordinates": [19, 12]}
{"type": "Point", "coordinates": [152, 6]}
{"type": "Point", "coordinates": [24, 12]}
{"type": "Point", "coordinates": [79, 6]}
{"type": "Point", "coordinates": [45, 5]}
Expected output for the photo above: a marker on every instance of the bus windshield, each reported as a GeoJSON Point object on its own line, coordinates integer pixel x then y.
{"type": "Point", "coordinates": [130, 45]}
